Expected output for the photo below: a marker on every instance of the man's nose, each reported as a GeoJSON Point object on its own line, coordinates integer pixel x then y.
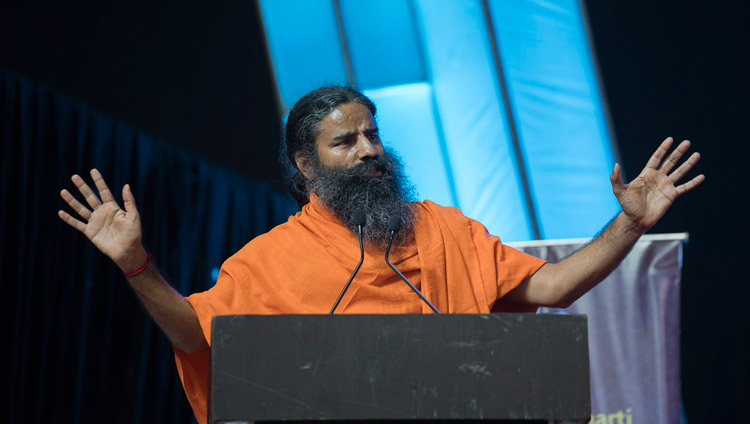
{"type": "Point", "coordinates": [366, 148]}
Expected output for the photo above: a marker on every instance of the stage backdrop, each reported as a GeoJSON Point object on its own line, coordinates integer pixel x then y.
{"type": "Point", "coordinates": [489, 102]}
{"type": "Point", "coordinates": [80, 349]}
{"type": "Point", "coordinates": [634, 323]}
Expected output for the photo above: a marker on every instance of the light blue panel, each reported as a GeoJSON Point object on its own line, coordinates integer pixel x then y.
{"type": "Point", "coordinates": [462, 71]}
{"type": "Point", "coordinates": [556, 100]}
{"type": "Point", "coordinates": [407, 124]}
{"type": "Point", "coordinates": [305, 47]}
{"type": "Point", "coordinates": [382, 42]}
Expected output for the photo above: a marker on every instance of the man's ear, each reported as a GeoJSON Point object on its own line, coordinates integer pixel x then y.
{"type": "Point", "coordinates": [303, 164]}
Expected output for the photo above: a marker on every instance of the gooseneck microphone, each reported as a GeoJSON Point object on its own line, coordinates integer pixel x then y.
{"type": "Point", "coordinates": [394, 224]}
{"type": "Point", "coordinates": [358, 217]}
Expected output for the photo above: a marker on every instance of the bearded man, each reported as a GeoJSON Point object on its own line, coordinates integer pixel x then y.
{"type": "Point", "coordinates": [340, 167]}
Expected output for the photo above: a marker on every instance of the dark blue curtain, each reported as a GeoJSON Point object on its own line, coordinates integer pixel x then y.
{"type": "Point", "coordinates": [81, 349]}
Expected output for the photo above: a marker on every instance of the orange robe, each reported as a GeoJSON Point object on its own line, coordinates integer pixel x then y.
{"type": "Point", "coordinates": [301, 266]}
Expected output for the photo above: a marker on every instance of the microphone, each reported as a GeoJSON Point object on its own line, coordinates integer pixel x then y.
{"type": "Point", "coordinates": [394, 224]}
{"type": "Point", "coordinates": [358, 218]}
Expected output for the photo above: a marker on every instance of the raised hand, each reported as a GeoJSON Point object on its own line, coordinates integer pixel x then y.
{"type": "Point", "coordinates": [116, 232]}
{"type": "Point", "coordinates": [645, 199]}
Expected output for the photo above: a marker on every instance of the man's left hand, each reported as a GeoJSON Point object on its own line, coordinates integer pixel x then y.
{"type": "Point", "coordinates": [645, 199]}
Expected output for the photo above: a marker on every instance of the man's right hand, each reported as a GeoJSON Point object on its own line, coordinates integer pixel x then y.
{"type": "Point", "coordinates": [116, 232]}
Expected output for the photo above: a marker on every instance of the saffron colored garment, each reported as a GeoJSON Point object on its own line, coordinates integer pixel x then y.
{"type": "Point", "coordinates": [301, 266]}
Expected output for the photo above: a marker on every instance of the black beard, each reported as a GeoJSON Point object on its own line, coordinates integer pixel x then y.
{"type": "Point", "coordinates": [343, 191]}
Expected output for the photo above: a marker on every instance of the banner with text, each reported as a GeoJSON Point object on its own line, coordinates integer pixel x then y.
{"type": "Point", "coordinates": [634, 323]}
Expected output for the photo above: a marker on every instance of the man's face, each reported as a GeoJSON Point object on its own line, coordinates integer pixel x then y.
{"type": "Point", "coordinates": [354, 172]}
{"type": "Point", "coordinates": [348, 137]}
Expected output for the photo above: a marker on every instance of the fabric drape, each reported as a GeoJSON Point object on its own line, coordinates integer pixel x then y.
{"type": "Point", "coordinates": [81, 349]}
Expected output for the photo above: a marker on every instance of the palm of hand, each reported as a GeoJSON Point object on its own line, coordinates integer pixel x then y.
{"type": "Point", "coordinates": [645, 199]}
{"type": "Point", "coordinates": [116, 232]}
{"type": "Point", "coordinates": [112, 231]}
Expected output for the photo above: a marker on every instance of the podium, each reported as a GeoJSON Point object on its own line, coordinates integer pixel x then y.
{"type": "Point", "coordinates": [499, 368]}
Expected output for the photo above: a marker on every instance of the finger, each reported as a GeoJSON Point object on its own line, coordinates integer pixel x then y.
{"type": "Point", "coordinates": [675, 156]}
{"type": "Point", "coordinates": [78, 225]}
{"type": "Point", "coordinates": [104, 192]}
{"type": "Point", "coordinates": [659, 154]}
{"type": "Point", "coordinates": [129, 200]}
{"type": "Point", "coordinates": [89, 195]}
{"type": "Point", "coordinates": [81, 210]}
{"type": "Point", "coordinates": [616, 179]}
{"type": "Point", "coordinates": [684, 188]}
{"type": "Point", "coordinates": [684, 168]}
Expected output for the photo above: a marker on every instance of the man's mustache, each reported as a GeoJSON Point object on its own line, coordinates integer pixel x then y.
{"type": "Point", "coordinates": [379, 163]}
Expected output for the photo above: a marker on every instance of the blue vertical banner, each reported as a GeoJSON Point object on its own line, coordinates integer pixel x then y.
{"type": "Point", "coordinates": [383, 45]}
{"type": "Point", "coordinates": [561, 123]}
{"type": "Point", "coordinates": [459, 59]}
{"type": "Point", "coordinates": [305, 46]}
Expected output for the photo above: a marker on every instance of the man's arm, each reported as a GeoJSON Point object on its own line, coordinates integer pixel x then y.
{"type": "Point", "coordinates": [117, 234]}
{"type": "Point", "coordinates": [643, 201]}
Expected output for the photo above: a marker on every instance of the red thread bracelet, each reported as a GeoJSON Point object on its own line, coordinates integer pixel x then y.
{"type": "Point", "coordinates": [139, 269]}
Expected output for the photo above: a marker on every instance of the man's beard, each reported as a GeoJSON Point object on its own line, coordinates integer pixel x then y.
{"type": "Point", "coordinates": [343, 191]}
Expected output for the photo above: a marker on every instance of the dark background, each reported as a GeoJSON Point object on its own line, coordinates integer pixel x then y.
{"type": "Point", "coordinates": [193, 73]}
{"type": "Point", "coordinates": [196, 75]}
{"type": "Point", "coordinates": [677, 68]}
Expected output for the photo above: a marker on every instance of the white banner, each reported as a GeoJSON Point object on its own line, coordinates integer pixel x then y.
{"type": "Point", "coordinates": [634, 324]}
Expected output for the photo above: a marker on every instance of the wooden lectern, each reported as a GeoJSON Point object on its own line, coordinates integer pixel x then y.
{"type": "Point", "coordinates": [499, 368]}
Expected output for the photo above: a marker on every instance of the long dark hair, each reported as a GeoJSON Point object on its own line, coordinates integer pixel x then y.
{"type": "Point", "coordinates": [302, 129]}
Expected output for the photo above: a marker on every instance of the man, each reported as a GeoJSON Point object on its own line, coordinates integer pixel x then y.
{"type": "Point", "coordinates": [340, 166]}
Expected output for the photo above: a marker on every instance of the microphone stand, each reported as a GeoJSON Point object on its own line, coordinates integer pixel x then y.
{"type": "Point", "coordinates": [361, 259]}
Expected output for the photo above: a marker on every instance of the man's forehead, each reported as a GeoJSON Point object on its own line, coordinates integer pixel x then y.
{"type": "Point", "coordinates": [349, 116]}
{"type": "Point", "coordinates": [336, 115]}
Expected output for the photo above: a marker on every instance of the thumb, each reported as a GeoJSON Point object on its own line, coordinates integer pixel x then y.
{"type": "Point", "coordinates": [615, 178]}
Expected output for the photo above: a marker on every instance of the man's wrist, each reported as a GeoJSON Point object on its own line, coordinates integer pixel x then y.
{"type": "Point", "coordinates": [628, 227]}
{"type": "Point", "coordinates": [133, 261]}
